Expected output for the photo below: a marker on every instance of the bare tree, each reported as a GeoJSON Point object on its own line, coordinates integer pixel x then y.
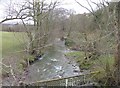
{"type": "Point", "coordinates": [117, 56]}
{"type": "Point", "coordinates": [107, 17]}
{"type": "Point", "coordinates": [37, 12]}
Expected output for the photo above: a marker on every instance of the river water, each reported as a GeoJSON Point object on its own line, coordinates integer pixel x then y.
{"type": "Point", "coordinates": [53, 64]}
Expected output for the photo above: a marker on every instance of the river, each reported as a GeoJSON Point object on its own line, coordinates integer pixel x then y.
{"type": "Point", "coordinates": [53, 64]}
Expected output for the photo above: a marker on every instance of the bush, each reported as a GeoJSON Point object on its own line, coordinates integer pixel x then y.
{"type": "Point", "coordinates": [69, 42]}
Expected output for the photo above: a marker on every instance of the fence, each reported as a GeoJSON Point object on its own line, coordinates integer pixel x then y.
{"type": "Point", "coordinates": [79, 80]}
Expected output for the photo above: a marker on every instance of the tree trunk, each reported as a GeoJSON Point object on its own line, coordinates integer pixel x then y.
{"type": "Point", "coordinates": [117, 56]}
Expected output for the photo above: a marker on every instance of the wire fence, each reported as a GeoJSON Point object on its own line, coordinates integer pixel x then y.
{"type": "Point", "coordinates": [79, 80]}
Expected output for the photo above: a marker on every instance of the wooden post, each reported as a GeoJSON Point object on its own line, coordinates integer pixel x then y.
{"type": "Point", "coordinates": [66, 82]}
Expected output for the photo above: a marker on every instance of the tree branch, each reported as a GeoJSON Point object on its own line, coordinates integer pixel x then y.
{"type": "Point", "coordinates": [84, 7]}
{"type": "Point", "coordinates": [15, 18]}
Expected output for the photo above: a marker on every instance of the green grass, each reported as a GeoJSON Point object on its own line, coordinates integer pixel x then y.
{"type": "Point", "coordinates": [12, 42]}
{"type": "Point", "coordinates": [104, 59]}
{"type": "Point", "coordinates": [92, 63]}
{"type": "Point", "coordinates": [76, 53]}
{"type": "Point", "coordinates": [0, 44]}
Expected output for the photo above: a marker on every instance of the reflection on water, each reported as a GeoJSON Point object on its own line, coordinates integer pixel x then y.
{"type": "Point", "coordinates": [58, 68]}
{"type": "Point", "coordinates": [53, 65]}
{"type": "Point", "coordinates": [54, 59]}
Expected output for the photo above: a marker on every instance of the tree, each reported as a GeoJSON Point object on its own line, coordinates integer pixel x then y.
{"type": "Point", "coordinates": [107, 20]}
{"type": "Point", "coordinates": [117, 58]}
{"type": "Point", "coordinates": [37, 12]}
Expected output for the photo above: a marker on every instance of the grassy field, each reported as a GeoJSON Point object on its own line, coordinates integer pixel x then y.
{"type": "Point", "coordinates": [0, 44]}
{"type": "Point", "coordinates": [13, 44]}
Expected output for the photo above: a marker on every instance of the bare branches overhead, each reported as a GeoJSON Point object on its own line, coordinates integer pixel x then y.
{"type": "Point", "coordinates": [26, 10]}
{"type": "Point", "coordinates": [84, 7]}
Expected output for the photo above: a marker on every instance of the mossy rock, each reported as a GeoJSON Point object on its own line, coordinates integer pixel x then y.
{"type": "Point", "coordinates": [85, 64]}
{"type": "Point", "coordinates": [69, 42]}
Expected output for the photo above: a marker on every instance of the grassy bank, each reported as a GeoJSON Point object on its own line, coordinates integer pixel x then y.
{"type": "Point", "coordinates": [13, 44]}
{"type": "Point", "coordinates": [104, 64]}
